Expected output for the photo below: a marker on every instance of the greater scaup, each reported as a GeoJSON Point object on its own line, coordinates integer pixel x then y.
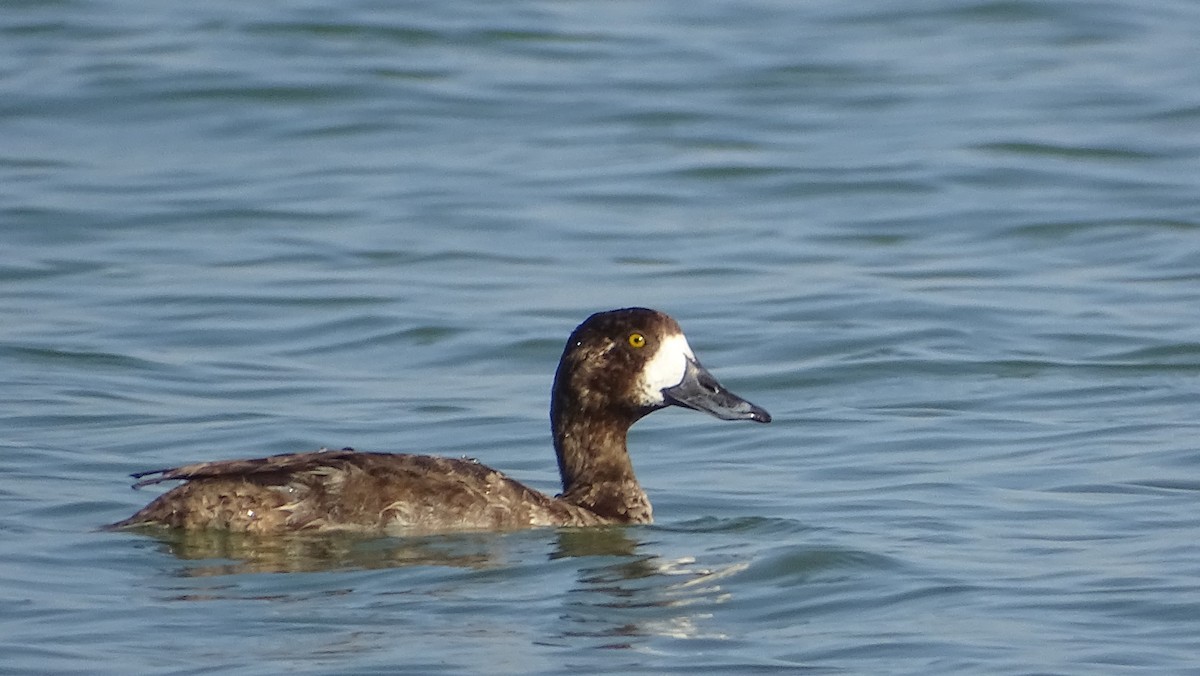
{"type": "Point", "coordinates": [617, 367]}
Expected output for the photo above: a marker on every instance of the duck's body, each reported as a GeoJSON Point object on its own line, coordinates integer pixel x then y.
{"type": "Point", "coordinates": [617, 367]}
{"type": "Point", "coordinates": [352, 491]}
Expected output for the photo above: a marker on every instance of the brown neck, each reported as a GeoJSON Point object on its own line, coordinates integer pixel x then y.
{"type": "Point", "coordinates": [594, 463]}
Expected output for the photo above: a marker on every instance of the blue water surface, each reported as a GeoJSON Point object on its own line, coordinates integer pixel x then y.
{"type": "Point", "coordinates": [953, 247]}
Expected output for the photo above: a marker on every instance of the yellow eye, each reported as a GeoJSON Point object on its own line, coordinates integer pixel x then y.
{"type": "Point", "coordinates": [637, 340]}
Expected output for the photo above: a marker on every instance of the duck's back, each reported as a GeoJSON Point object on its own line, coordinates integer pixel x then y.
{"type": "Point", "coordinates": [350, 491]}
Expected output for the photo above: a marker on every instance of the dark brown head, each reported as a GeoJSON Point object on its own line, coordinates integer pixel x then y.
{"type": "Point", "coordinates": [623, 364]}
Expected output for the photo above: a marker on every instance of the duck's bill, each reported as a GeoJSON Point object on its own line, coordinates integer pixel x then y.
{"type": "Point", "coordinates": [699, 390]}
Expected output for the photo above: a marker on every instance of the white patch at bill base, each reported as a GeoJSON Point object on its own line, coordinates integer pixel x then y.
{"type": "Point", "coordinates": [665, 369]}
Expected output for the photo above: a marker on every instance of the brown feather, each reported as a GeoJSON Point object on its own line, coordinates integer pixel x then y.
{"type": "Point", "coordinates": [350, 491]}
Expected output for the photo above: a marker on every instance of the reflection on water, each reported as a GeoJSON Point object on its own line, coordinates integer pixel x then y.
{"type": "Point", "coordinates": [225, 553]}
{"type": "Point", "coordinates": [647, 597]}
{"type": "Point", "coordinates": [620, 589]}
{"type": "Point", "coordinates": [609, 541]}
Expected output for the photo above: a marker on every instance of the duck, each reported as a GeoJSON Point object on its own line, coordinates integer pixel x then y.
{"type": "Point", "coordinates": [617, 367]}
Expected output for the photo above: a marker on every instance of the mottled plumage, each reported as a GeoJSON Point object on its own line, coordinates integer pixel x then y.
{"type": "Point", "coordinates": [617, 367]}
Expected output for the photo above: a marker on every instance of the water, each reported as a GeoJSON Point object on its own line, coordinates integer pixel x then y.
{"type": "Point", "coordinates": [954, 248]}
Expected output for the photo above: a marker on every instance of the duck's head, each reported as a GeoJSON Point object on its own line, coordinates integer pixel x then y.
{"type": "Point", "coordinates": [630, 362]}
